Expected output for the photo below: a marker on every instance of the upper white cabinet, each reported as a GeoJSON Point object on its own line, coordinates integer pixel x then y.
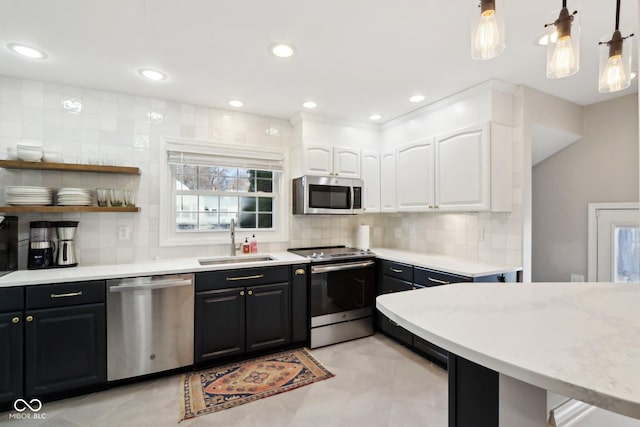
{"type": "Point", "coordinates": [387, 181]}
{"type": "Point", "coordinates": [326, 160]}
{"type": "Point", "coordinates": [415, 176]}
{"type": "Point", "coordinates": [371, 177]}
{"type": "Point", "coordinates": [464, 170]}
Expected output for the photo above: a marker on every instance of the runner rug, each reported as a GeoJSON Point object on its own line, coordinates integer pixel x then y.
{"type": "Point", "coordinates": [223, 387]}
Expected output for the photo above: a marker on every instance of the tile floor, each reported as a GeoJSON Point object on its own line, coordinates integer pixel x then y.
{"type": "Point", "coordinates": [377, 383]}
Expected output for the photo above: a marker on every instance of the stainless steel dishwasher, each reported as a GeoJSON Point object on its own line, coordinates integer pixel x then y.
{"type": "Point", "coordinates": [149, 325]}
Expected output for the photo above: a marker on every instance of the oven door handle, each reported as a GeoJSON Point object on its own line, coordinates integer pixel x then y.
{"type": "Point", "coordinates": [317, 269]}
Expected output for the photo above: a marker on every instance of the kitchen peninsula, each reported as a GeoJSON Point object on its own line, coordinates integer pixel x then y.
{"type": "Point", "coordinates": [513, 343]}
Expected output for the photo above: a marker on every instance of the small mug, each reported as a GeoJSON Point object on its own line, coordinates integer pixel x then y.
{"type": "Point", "coordinates": [115, 196]}
{"type": "Point", "coordinates": [129, 197]}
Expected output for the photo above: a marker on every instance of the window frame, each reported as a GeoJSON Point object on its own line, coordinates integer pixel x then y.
{"type": "Point", "coordinates": [169, 236]}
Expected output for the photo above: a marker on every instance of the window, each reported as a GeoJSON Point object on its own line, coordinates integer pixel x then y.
{"type": "Point", "coordinates": [208, 197]}
{"type": "Point", "coordinates": [209, 184]}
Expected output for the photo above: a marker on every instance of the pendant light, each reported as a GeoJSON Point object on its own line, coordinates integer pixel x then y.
{"type": "Point", "coordinates": [563, 48]}
{"type": "Point", "coordinates": [615, 60]}
{"type": "Point", "coordinates": [487, 29]}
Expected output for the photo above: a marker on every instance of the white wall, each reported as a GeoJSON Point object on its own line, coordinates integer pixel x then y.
{"type": "Point", "coordinates": [318, 130]}
{"type": "Point", "coordinates": [601, 167]}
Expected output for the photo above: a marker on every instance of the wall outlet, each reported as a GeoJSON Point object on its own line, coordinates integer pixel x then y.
{"type": "Point", "coordinates": [577, 278]}
{"type": "Point", "coordinates": [123, 232]}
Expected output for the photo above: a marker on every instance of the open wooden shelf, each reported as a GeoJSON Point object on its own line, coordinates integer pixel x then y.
{"type": "Point", "coordinates": [68, 167]}
{"type": "Point", "coordinates": [63, 209]}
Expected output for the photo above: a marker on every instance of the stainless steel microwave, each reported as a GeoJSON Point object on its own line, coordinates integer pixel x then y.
{"type": "Point", "coordinates": [324, 195]}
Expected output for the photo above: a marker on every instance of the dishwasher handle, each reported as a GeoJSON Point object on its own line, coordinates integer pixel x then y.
{"type": "Point", "coordinates": [149, 286]}
{"type": "Point", "coordinates": [338, 267]}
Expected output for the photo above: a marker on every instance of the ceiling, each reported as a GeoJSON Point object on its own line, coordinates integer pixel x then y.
{"type": "Point", "coordinates": [353, 57]}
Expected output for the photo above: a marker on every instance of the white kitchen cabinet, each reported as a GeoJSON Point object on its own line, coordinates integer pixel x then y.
{"type": "Point", "coordinates": [388, 181]}
{"type": "Point", "coordinates": [371, 176]}
{"type": "Point", "coordinates": [415, 176]}
{"type": "Point", "coordinates": [469, 169]}
{"type": "Point", "coordinates": [326, 160]}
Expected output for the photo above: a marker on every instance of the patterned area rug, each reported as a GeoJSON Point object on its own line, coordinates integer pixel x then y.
{"type": "Point", "coordinates": [224, 387]}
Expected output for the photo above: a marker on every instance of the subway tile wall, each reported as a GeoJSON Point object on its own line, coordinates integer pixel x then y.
{"type": "Point", "coordinates": [93, 126]}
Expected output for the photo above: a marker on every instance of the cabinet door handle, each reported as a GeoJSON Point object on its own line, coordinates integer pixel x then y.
{"type": "Point", "coordinates": [256, 276]}
{"type": "Point", "coordinates": [430, 206]}
{"type": "Point", "coordinates": [437, 206]}
{"type": "Point", "coordinates": [70, 294]}
{"type": "Point", "coordinates": [29, 318]}
{"type": "Point", "coordinates": [241, 293]}
{"type": "Point", "coordinates": [300, 272]}
{"type": "Point", "coordinates": [440, 282]}
{"type": "Point", "coordinates": [393, 323]}
{"type": "Point", "coordinates": [15, 320]}
{"type": "Point", "coordinates": [395, 270]}
{"type": "Point", "coordinates": [336, 173]}
{"type": "Point", "coordinates": [250, 292]}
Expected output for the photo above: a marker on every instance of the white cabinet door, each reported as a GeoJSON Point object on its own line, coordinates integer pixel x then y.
{"type": "Point", "coordinates": [371, 177]}
{"type": "Point", "coordinates": [388, 181]}
{"type": "Point", "coordinates": [346, 162]}
{"type": "Point", "coordinates": [462, 167]}
{"type": "Point", "coordinates": [317, 159]}
{"type": "Point", "coordinates": [414, 176]}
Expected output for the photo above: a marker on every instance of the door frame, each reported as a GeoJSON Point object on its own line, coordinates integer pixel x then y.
{"type": "Point", "coordinates": [592, 233]}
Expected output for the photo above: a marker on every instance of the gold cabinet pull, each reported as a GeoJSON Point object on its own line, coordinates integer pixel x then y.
{"type": "Point", "coordinates": [70, 294]}
{"type": "Point", "coordinates": [395, 270]}
{"type": "Point", "coordinates": [250, 292]}
{"type": "Point", "coordinates": [15, 320]}
{"type": "Point", "coordinates": [257, 276]}
{"type": "Point", "coordinates": [29, 318]}
{"type": "Point", "coordinates": [441, 282]}
{"type": "Point", "coordinates": [300, 272]}
{"type": "Point", "coordinates": [241, 293]}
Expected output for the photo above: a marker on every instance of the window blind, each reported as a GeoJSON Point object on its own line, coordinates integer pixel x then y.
{"type": "Point", "coordinates": [239, 158]}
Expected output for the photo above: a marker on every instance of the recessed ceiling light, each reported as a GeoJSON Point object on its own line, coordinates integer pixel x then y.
{"type": "Point", "coordinates": [236, 103]}
{"type": "Point", "coordinates": [309, 104]}
{"type": "Point", "coordinates": [375, 117]}
{"type": "Point", "coordinates": [150, 74]}
{"type": "Point", "coordinates": [27, 51]}
{"type": "Point", "coordinates": [417, 98]}
{"type": "Point", "coordinates": [282, 50]}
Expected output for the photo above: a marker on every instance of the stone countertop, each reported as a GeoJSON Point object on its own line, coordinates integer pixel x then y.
{"type": "Point", "coordinates": [578, 340]}
{"type": "Point", "coordinates": [444, 263]}
{"type": "Point", "coordinates": [147, 268]}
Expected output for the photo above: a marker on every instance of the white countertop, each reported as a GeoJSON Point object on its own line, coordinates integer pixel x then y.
{"type": "Point", "coordinates": [447, 264]}
{"type": "Point", "coordinates": [161, 266]}
{"type": "Point", "coordinates": [580, 340]}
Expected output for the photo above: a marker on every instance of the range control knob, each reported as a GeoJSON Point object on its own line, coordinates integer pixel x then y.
{"type": "Point", "coordinates": [321, 254]}
{"type": "Point", "coordinates": [314, 255]}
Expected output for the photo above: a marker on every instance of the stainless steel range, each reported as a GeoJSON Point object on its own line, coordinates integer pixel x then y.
{"type": "Point", "coordinates": [342, 293]}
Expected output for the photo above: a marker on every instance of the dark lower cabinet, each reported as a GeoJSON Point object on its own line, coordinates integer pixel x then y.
{"type": "Point", "coordinates": [11, 358]}
{"type": "Point", "coordinates": [473, 394]}
{"type": "Point", "coordinates": [65, 349]}
{"type": "Point", "coordinates": [268, 323]}
{"type": "Point", "coordinates": [220, 324]}
{"type": "Point", "coordinates": [249, 317]}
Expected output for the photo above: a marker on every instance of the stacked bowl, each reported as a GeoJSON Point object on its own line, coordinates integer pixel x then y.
{"type": "Point", "coordinates": [30, 151]}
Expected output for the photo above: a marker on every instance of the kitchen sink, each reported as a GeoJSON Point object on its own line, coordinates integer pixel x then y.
{"type": "Point", "coordinates": [238, 260]}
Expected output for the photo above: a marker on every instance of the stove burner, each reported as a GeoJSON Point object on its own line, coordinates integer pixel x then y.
{"type": "Point", "coordinates": [324, 253]}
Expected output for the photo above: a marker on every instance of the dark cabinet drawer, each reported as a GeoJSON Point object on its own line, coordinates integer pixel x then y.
{"type": "Point", "coordinates": [392, 329]}
{"type": "Point", "coordinates": [211, 280]}
{"type": "Point", "coordinates": [65, 294]}
{"type": "Point", "coordinates": [391, 284]}
{"type": "Point", "coordinates": [431, 350]}
{"type": "Point", "coordinates": [11, 299]}
{"type": "Point", "coordinates": [426, 277]}
{"type": "Point", "coordinates": [397, 270]}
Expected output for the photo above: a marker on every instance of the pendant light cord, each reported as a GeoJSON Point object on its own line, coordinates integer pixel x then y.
{"type": "Point", "coordinates": [564, 4]}
{"type": "Point", "coordinates": [618, 15]}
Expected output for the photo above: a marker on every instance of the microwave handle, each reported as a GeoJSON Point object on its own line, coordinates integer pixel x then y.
{"type": "Point", "coordinates": [350, 198]}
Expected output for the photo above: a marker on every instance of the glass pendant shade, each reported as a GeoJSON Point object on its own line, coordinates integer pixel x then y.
{"type": "Point", "coordinates": [615, 63]}
{"type": "Point", "coordinates": [487, 29]}
{"type": "Point", "coordinates": [563, 49]}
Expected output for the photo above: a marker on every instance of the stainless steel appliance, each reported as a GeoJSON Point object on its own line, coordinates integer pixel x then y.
{"type": "Point", "coordinates": [342, 293]}
{"type": "Point", "coordinates": [66, 231]}
{"type": "Point", "coordinates": [324, 195]}
{"type": "Point", "coordinates": [41, 246]}
{"type": "Point", "coordinates": [149, 325]}
{"type": "Point", "coordinates": [8, 244]}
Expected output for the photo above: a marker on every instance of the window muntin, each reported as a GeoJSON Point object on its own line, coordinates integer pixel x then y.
{"type": "Point", "coordinates": [208, 197]}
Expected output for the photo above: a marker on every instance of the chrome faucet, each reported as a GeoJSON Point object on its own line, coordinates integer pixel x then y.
{"type": "Point", "coordinates": [233, 237]}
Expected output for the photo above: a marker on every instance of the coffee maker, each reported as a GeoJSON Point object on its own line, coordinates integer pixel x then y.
{"type": "Point", "coordinates": [41, 246]}
{"type": "Point", "coordinates": [66, 231]}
